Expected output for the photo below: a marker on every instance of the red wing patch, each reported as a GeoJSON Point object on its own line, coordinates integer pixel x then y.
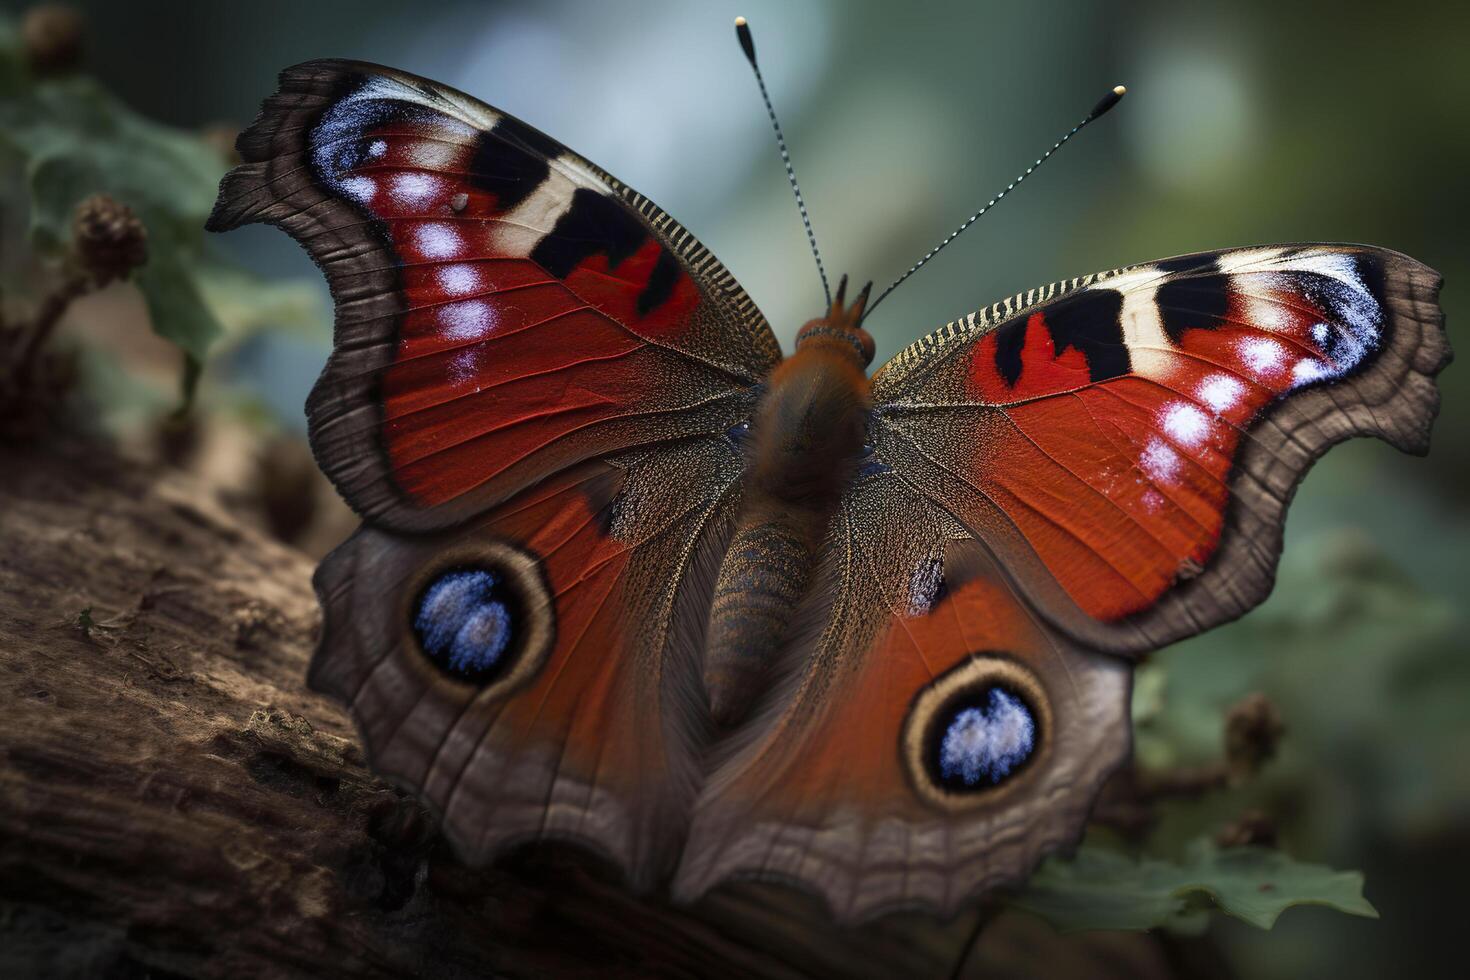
{"type": "Point", "coordinates": [1119, 429]}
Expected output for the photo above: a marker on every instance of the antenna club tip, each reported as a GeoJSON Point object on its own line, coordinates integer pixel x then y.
{"type": "Point", "coordinates": [747, 43]}
{"type": "Point", "coordinates": [1114, 96]}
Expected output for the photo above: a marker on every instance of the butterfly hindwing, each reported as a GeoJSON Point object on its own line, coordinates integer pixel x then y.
{"type": "Point", "coordinates": [936, 740]}
{"type": "Point", "coordinates": [531, 674]}
{"type": "Point", "coordinates": [504, 308]}
{"type": "Point", "coordinates": [1127, 443]}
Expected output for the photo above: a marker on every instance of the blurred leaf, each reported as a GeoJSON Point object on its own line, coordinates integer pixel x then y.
{"type": "Point", "coordinates": [81, 140]}
{"type": "Point", "coordinates": [1369, 673]}
{"type": "Point", "coordinates": [77, 140]}
{"type": "Point", "coordinates": [1103, 889]}
{"type": "Point", "coordinates": [175, 305]}
{"type": "Point", "coordinates": [73, 139]}
{"type": "Point", "coordinates": [245, 304]}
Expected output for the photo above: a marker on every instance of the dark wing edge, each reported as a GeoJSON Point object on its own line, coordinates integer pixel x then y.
{"type": "Point", "coordinates": [1395, 399]}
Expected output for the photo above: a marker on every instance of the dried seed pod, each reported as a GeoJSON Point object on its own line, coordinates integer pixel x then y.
{"type": "Point", "coordinates": [108, 238]}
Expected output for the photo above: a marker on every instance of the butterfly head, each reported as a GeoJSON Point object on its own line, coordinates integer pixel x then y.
{"type": "Point", "coordinates": [842, 327]}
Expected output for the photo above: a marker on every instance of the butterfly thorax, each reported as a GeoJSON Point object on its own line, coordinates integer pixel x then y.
{"type": "Point", "coordinates": [805, 443]}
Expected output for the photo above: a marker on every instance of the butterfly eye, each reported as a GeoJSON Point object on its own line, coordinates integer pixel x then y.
{"type": "Point", "coordinates": [975, 730]}
{"type": "Point", "coordinates": [739, 432]}
{"type": "Point", "coordinates": [483, 618]}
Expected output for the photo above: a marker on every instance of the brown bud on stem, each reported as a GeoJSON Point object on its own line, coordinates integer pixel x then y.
{"type": "Point", "coordinates": [1253, 729]}
{"type": "Point", "coordinates": [1254, 828]}
{"type": "Point", "coordinates": [108, 239]}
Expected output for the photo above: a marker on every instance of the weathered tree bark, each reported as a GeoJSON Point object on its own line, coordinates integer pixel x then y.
{"type": "Point", "coordinates": [174, 801]}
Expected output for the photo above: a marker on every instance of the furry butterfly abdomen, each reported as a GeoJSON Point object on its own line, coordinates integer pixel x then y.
{"type": "Point", "coordinates": [805, 445]}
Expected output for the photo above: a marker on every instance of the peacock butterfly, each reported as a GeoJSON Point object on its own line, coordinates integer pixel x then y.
{"type": "Point", "coordinates": [627, 577]}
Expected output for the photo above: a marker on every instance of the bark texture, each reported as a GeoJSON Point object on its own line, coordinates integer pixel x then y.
{"type": "Point", "coordinates": [175, 802]}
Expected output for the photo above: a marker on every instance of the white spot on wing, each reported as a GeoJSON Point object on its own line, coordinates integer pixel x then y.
{"type": "Point", "coordinates": [1264, 311]}
{"type": "Point", "coordinates": [412, 189]}
{"type": "Point", "coordinates": [1308, 370]}
{"type": "Point", "coordinates": [469, 319]}
{"type": "Point", "coordinates": [459, 279]}
{"type": "Point", "coordinates": [578, 172]}
{"type": "Point", "coordinates": [1160, 461]}
{"type": "Point", "coordinates": [1247, 259]}
{"type": "Point", "coordinates": [1334, 265]}
{"type": "Point", "coordinates": [360, 189]}
{"type": "Point", "coordinates": [437, 241]}
{"type": "Point", "coordinates": [1143, 327]}
{"type": "Point", "coordinates": [519, 231]}
{"type": "Point", "coordinates": [434, 154]}
{"type": "Point", "coordinates": [924, 584]}
{"type": "Point", "coordinates": [464, 366]}
{"type": "Point", "coordinates": [1261, 354]}
{"type": "Point", "coordinates": [1221, 392]}
{"type": "Point", "coordinates": [1184, 423]}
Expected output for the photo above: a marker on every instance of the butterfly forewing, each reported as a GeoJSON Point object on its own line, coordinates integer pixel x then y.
{"type": "Point", "coordinates": [504, 308]}
{"type": "Point", "coordinates": [510, 628]}
{"type": "Point", "coordinates": [1128, 446]}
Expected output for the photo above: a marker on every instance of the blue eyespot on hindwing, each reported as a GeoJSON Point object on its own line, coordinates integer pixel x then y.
{"type": "Point", "coordinates": [974, 730]}
{"type": "Point", "coordinates": [465, 621]}
{"type": "Point", "coordinates": [485, 617]}
{"type": "Point", "coordinates": [982, 743]}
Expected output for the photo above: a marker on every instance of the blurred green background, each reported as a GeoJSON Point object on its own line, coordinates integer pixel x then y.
{"type": "Point", "coordinates": [1246, 123]}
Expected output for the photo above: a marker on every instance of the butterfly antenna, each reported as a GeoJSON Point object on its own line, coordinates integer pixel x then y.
{"type": "Point", "coordinates": [1103, 105]}
{"type": "Point", "coordinates": [747, 44]}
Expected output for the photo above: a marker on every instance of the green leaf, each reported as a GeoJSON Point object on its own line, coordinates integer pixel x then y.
{"type": "Point", "coordinates": [76, 140]}
{"type": "Point", "coordinates": [176, 306]}
{"type": "Point", "coordinates": [244, 304]}
{"type": "Point", "coordinates": [1103, 889]}
{"type": "Point", "coordinates": [73, 139]}
{"type": "Point", "coordinates": [80, 140]}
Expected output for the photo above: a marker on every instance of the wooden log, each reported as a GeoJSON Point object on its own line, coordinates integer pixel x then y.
{"type": "Point", "coordinates": [175, 802]}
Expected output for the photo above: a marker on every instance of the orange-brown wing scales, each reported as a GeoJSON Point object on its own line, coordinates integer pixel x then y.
{"type": "Point", "coordinates": [588, 727]}
{"type": "Point", "coordinates": [844, 789]}
{"type": "Point", "coordinates": [1111, 442]}
{"type": "Point", "coordinates": [505, 309]}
